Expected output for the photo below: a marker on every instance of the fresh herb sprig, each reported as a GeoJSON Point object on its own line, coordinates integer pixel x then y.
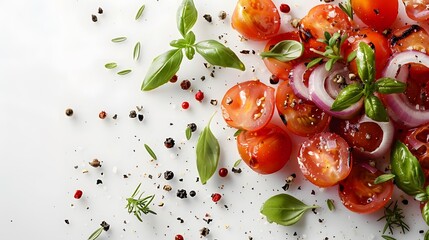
{"type": "Point", "coordinates": [166, 65]}
{"type": "Point", "coordinates": [332, 51]}
{"type": "Point", "coordinates": [347, 8]}
{"type": "Point", "coordinates": [374, 108]}
{"type": "Point", "coordinates": [394, 217]}
{"type": "Point", "coordinates": [139, 205]}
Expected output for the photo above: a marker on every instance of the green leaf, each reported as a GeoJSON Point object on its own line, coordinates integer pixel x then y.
{"type": "Point", "coordinates": [284, 209]}
{"type": "Point", "coordinates": [217, 54]}
{"type": "Point", "coordinates": [136, 53]}
{"type": "Point", "coordinates": [208, 151]}
{"type": "Point", "coordinates": [389, 85]}
{"type": "Point", "coordinates": [426, 235]}
{"type": "Point", "coordinates": [330, 204]}
{"type": "Point", "coordinates": [190, 52]}
{"type": "Point", "coordinates": [188, 133]}
{"type": "Point", "coordinates": [409, 176]}
{"type": "Point", "coordinates": [111, 65]}
{"type": "Point", "coordinates": [347, 97]}
{"type": "Point", "coordinates": [285, 51]}
{"type": "Point", "coordinates": [96, 234]}
{"type": "Point", "coordinates": [186, 16]}
{"type": "Point", "coordinates": [330, 63]}
{"type": "Point", "coordinates": [124, 72]}
{"type": "Point", "coordinates": [425, 213]}
{"type": "Point", "coordinates": [140, 12]}
{"type": "Point", "coordinates": [422, 197]}
{"type": "Point", "coordinates": [351, 56]}
{"type": "Point", "coordinates": [119, 39]}
{"type": "Point", "coordinates": [347, 8]}
{"type": "Point", "coordinates": [384, 178]}
{"type": "Point", "coordinates": [150, 151]}
{"type": "Point", "coordinates": [375, 109]}
{"type": "Point", "coordinates": [365, 62]}
{"type": "Point", "coordinates": [238, 132]}
{"type": "Point", "coordinates": [237, 162]}
{"type": "Point", "coordinates": [179, 43]}
{"type": "Point", "coordinates": [386, 237]}
{"type": "Point", "coordinates": [162, 69]}
{"type": "Point", "coordinates": [190, 38]}
{"type": "Point", "coordinates": [314, 62]}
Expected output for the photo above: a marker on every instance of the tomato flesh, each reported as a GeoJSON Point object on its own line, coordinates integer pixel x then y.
{"type": "Point", "coordinates": [265, 151]}
{"type": "Point", "coordinates": [417, 9]}
{"type": "Point", "coordinates": [417, 140]}
{"type": "Point", "coordinates": [377, 14]}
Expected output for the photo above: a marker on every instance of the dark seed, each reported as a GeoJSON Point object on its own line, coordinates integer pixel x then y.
{"type": "Point", "coordinates": [99, 181]}
{"type": "Point", "coordinates": [168, 175]}
{"type": "Point", "coordinates": [67, 221]}
{"type": "Point", "coordinates": [205, 231]}
{"type": "Point", "coordinates": [100, 10]}
{"type": "Point", "coordinates": [192, 193]}
{"type": "Point", "coordinates": [192, 126]}
{"type": "Point", "coordinates": [69, 112]}
{"type": "Point", "coordinates": [181, 193]}
{"type": "Point", "coordinates": [105, 225]}
{"type": "Point", "coordinates": [133, 114]}
{"type": "Point", "coordinates": [185, 84]}
{"type": "Point", "coordinates": [208, 17]}
{"type": "Point", "coordinates": [222, 15]}
{"type": "Point", "coordinates": [169, 143]}
{"type": "Point", "coordinates": [95, 163]}
{"type": "Point", "coordinates": [94, 18]}
{"type": "Point", "coordinates": [140, 117]}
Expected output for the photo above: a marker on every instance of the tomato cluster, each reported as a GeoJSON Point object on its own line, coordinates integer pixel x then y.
{"type": "Point", "coordinates": [339, 151]}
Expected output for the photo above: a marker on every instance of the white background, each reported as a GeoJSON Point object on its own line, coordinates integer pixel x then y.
{"type": "Point", "coordinates": [52, 57]}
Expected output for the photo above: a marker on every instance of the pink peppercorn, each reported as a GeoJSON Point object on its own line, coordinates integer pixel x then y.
{"type": "Point", "coordinates": [284, 8]}
{"type": "Point", "coordinates": [178, 237]}
{"type": "Point", "coordinates": [185, 105]}
{"type": "Point", "coordinates": [216, 197]}
{"type": "Point", "coordinates": [223, 172]}
{"type": "Point", "coordinates": [199, 96]}
{"type": "Point", "coordinates": [78, 194]}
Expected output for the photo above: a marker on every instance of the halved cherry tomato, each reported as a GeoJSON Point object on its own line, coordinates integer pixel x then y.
{"type": "Point", "coordinates": [301, 117]}
{"type": "Point", "coordinates": [417, 9]}
{"type": "Point", "coordinates": [256, 19]}
{"type": "Point", "coordinates": [360, 194]}
{"type": "Point", "coordinates": [378, 42]}
{"type": "Point", "coordinates": [325, 159]}
{"type": "Point", "coordinates": [266, 150]}
{"type": "Point", "coordinates": [248, 105]}
{"type": "Point", "coordinates": [417, 140]}
{"type": "Point", "coordinates": [377, 14]}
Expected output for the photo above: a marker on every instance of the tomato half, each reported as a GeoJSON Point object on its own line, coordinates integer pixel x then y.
{"type": "Point", "coordinates": [325, 159]}
{"type": "Point", "coordinates": [265, 151]}
{"type": "Point", "coordinates": [301, 117]}
{"type": "Point", "coordinates": [377, 14]}
{"type": "Point", "coordinates": [360, 194]}
{"type": "Point", "coordinates": [417, 9]}
{"type": "Point", "coordinates": [417, 140]}
{"type": "Point", "coordinates": [248, 105]}
{"type": "Point", "coordinates": [256, 19]}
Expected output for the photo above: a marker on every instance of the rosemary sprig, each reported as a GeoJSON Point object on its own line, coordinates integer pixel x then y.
{"type": "Point", "coordinates": [139, 205]}
{"type": "Point", "coordinates": [332, 51]}
{"type": "Point", "coordinates": [394, 218]}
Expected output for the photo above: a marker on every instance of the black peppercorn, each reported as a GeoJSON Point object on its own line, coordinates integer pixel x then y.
{"type": "Point", "coordinates": [69, 112]}
{"type": "Point", "coordinates": [168, 175]}
{"type": "Point", "coordinates": [185, 84]}
{"type": "Point", "coordinates": [169, 143]}
{"type": "Point", "coordinates": [94, 18]}
{"type": "Point", "coordinates": [181, 193]}
{"type": "Point", "coordinates": [100, 10]}
{"type": "Point", "coordinates": [105, 225]}
{"type": "Point", "coordinates": [208, 17]}
{"type": "Point", "coordinates": [140, 117]}
{"type": "Point", "coordinates": [133, 114]}
{"type": "Point", "coordinates": [192, 193]}
{"type": "Point", "coordinates": [192, 126]}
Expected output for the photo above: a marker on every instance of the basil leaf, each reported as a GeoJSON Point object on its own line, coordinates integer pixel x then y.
{"type": "Point", "coordinates": [188, 133]}
{"type": "Point", "coordinates": [190, 52]}
{"type": "Point", "coordinates": [389, 85]}
{"type": "Point", "coordinates": [162, 69]}
{"type": "Point", "coordinates": [284, 209]}
{"type": "Point", "coordinates": [186, 16]}
{"type": "Point", "coordinates": [422, 197]}
{"type": "Point", "coordinates": [237, 163]}
{"type": "Point", "coordinates": [208, 151]}
{"type": "Point", "coordinates": [409, 175]}
{"type": "Point", "coordinates": [285, 51]}
{"type": "Point", "coordinates": [425, 213]}
{"type": "Point", "coordinates": [96, 234]}
{"type": "Point", "coordinates": [190, 38]}
{"type": "Point", "coordinates": [179, 43]}
{"type": "Point", "coordinates": [111, 65]}
{"type": "Point", "coordinates": [384, 178]}
{"type": "Point", "coordinates": [217, 54]}
{"type": "Point", "coordinates": [426, 235]}
{"type": "Point", "coordinates": [375, 109]}
{"type": "Point", "coordinates": [347, 97]}
{"type": "Point", "coordinates": [365, 62]}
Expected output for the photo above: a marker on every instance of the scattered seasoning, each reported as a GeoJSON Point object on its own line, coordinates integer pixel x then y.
{"type": "Point", "coordinates": [185, 84]}
{"type": "Point", "coordinates": [237, 163]}
{"type": "Point", "coordinates": [119, 39]}
{"type": "Point", "coordinates": [139, 205]}
{"type": "Point", "coordinates": [174, 78]}
{"type": "Point", "coordinates": [284, 8]}
{"type": "Point", "coordinates": [222, 15]}
{"type": "Point", "coordinates": [67, 221]}
{"type": "Point", "coordinates": [180, 220]}
{"type": "Point", "coordinates": [99, 181]}
{"type": "Point", "coordinates": [95, 163]}
{"type": "Point", "coordinates": [150, 151]}
{"type": "Point", "coordinates": [204, 231]}
{"type": "Point", "coordinates": [185, 105]}
{"type": "Point", "coordinates": [203, 78]}
{"type": "Point", "coordinates": [181, 193]}
{"type": "Point", "coordinates": [140, 12]}
{"type": "Point", "coordinates": [100, 10]}
{"type": "Point", "coordinates": [133, 114]}
{"type": "Point", "coordinates": [167, 188]}
{"type": "Point", "coordinates": [78, 194]}
{"type": "Point", "coordinates": [136, 52]}
{"type": "Point", "coordinates": [213, 102]}
{"type": "Point", "coordinates": [94, 18]}
{"type": "Point", "coordinates": [216, 197]}
{"type": "Point", "coordinates": [236, 170]}
{"type": "Point", "coordinates": [192, 126]}
{"type": "Point", "coordinates": [140, 117]}
{"type": "Point", "coordinates": [105, 225]}
{"type": "Point", "coordinates": [208, 17]}
{"type": "Point", "coordinates": [223, 172]}
{"type": "Point", "coordinates": [192, 193]}
{"type": "Point", "coordinates": [178, 237]}
{"type": "Point", "coordinates": [102, 115]}
{"type": "Point", "coordinates": [199, 96]}
{"type": "Point", "coordinates": [188, 133]}
{"type": "Point", "coordinates": [274, 79]}
{"type": "Point", "coordinates": [169, 143]}
{"type": "Point", "coordinates": [69, 112]}
{"type": "Point", "coordinates": [331, 205]}
{"type": "Point", "coordinates": [168, 175]}
{"type": "Point", "coordinates": [115, 116]}
{"type": "Point", "coordinates": [245, 51]}
{"type": "Point", "coordinates": [124, 72]}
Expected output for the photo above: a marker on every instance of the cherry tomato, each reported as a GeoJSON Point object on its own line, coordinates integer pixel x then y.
{"type": "Point", "coordinates": [266, 150]}
{"type": "Point", "coordinates": [301, 117]}
{"type": "Point", "coordinates": [325, 159]}
{"type": "Point", "coordinates": [248, 105]}
{"type": "Point", "coordinates": [377, 14]}
{"type": "Point", "coordinates": [378, 42]}
{"type": "Point", "coordinates": [417, 9]}
{"type": "Point", "coordinates": [256, 19]}
{"type": "Point", "coordinates": [360, 194]}
{"type": "Point", "coordinates": [417, 140]}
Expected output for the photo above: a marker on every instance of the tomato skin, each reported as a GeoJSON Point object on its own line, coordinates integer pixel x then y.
{"type": "Point", "coordinates": [417, 9]}
{"type": "Point", "coordinates": [325, 159]}
{"type": "Point", "coordinates": [256, 19]}
{"type": "Point", "coordinates": [377, 14]}
{"type": "Point", "coordinates": [301, 117]}
{"type": "Point", "coordinates": [358, 192]}
{"type": "Point", "coordinates": [248, 105]}
{"type": "Point", "coordinates": [376, 40]}
{"type": "Point", "coordinates": [265, 151]}
{"type": "Point", "coordinates": [417, 141]}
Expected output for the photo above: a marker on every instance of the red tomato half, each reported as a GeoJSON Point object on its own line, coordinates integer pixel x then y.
{"type": "Point", "coordinates": [417, 140]}
{"type": "Point", "coordinates": [301, 117]}
{"type": "Point", "coordinates": [417, 9]}
{"type": "Point", "coordinates": [266, 150]}
{"type": "Point", "coordinates": [325, 159]}
{"type": "Point", "coordinates": [377, 14]}
{"type": "Point", "coordinates": [360, 194]}
{"type": "Point", "coordinates": [248, 105]}
{"type": "Point", "coordinates": [256, 19]}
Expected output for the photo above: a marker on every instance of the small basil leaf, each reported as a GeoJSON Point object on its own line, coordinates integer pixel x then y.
{"type": "Point", "coordinates": [284, 209]}
{"type": "Point", "coordinates": [384, 178]}
{"type": "Point", "coordinates": [96, 234]}
{"type": "Point", "coordinates": [217, 54]}
{"type": "Point", "coordinates": [327, 36]}
{"type": "Point", "coordinates": [409, 175]}
{"type": "Point", "coordinates": [188, 133]}
{"type": "Point", "coordinates": [389, 85]}
{"type": "Point", "coordinates": [190, 52]}
{"type": "Point", "coordinates": [375, 109]}
{"type": "Point", "coordinates": [285, 51]}
{"type": "Point", "coordinates": [111, 65]}
{"type": "Point", "coordinates": [179, 43]}
{"type": "Point", "coordinates": [347, 97]}
{"type": "Point", "coordinates": [421, 197]}
{"type": "Point", "coordinates": [237, 163]}
{"type": "Point", "coordinates": [208, 151]}
{"type": "Point", "coordinates": [186, 16]}
{"type": "Point", "coordinates": [365, 62]}
{"type": "Point", "coordinates": [190, 38]}
{"type": "Point", "coordinates": [314, 62]}
{"type": "Point", "coordinates": [162, 69]}
{"type": "Point", "coordinates": [238, 132]}
{"type": "Point", "coordinates": [351, 56]}
{"type": "Point", "coordinates": [425, 213]}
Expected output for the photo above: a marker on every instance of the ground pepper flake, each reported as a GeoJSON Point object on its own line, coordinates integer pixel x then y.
{"type": "Point", "coordinates": [105, 225]}
{"type": "Point", "coordinates": [100, 10]}
{"type": "Point", "coordinates": [208, 17]}
{"type": "Point", "coordinates": [205, 231]}
{"type": "Point", "coordinates": [133, 114]}
{"type": "Point", "coordinates": [95, 163]}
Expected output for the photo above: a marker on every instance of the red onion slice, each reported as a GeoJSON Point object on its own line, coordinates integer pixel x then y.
{"type": "Point", "coordinates": [386, 142]}
{"type": "Point", "coordinates": [323, 90]}
{"type": "Point", "coordinates": [400, 109]}
{"type": "Point", "coordinates": [297, 81]}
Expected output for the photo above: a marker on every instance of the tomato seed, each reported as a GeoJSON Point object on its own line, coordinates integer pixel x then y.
{"type": "Point", "coordinates": [284, 8]}
{"type": "Point", "coordinates": [78, 194]}
{"type": "Point", "coordinates": [185, 105]}
{"type": "Point", "coordinates": [178, 237]}
{"type": "Point", "coordinates": [223, 172]}
{"type": "Point", "coordinates": [199, 96]}
{"type": "Point", "coordinates": [216, 197]}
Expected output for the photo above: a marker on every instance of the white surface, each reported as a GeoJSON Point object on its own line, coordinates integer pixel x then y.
{"type": "Point", "coordinates": [52, 57]}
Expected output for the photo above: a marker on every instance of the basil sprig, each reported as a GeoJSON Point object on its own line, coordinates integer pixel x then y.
{"type": "Point", "coordinates": [352, 93]}
{"type": "Point", "coordinates": [166, 65]}
{"type": "Point", "coordinates": [285, 51]}
{"type": "Point", "coordinates": [208, 151]}
{"type": "Point", "coordinates": [284, 209]}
